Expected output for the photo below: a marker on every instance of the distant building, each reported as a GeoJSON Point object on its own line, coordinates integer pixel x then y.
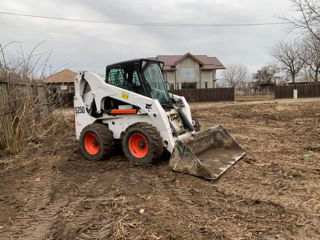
{"type": "Point", "coordinates": [190, 71]}
{"type": "Point", "coordinates": [303, 81]}
{"type": "Point", "coordinates": [264, 87]}
{"type": "Point", "coordinates": [61, 81]}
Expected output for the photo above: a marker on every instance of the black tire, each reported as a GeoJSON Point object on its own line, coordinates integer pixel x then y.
{"type": "Point", "coordinates": [102, 136]}
{"type": "Point", "coordinates": [197, 125]}
{"type": "Point", "coordinates": [153, 138]}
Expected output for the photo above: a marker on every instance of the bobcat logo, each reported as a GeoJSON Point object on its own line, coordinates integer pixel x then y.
{"type": "Point", "coordinates": [149, 106]}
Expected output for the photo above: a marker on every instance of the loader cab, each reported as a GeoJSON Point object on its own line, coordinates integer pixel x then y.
{"type": "Point", "coordinates": [142, 76]}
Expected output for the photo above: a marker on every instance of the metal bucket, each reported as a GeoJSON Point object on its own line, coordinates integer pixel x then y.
{"type": "Point", "coordinates": [207, 154]}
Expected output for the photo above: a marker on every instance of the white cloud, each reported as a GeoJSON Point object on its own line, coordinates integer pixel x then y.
{"type": "Point", "coordinates": [93, 46]}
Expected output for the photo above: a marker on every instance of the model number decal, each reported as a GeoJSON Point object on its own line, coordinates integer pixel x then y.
{"type": "Point", "coordinates": [79, 110]}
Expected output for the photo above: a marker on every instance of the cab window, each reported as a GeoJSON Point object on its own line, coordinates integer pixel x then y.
{"type": "Point", "coordinates": [115, 77]}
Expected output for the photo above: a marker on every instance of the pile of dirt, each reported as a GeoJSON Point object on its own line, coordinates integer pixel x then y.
{"type": "Point", "coordinates": [52, 192]}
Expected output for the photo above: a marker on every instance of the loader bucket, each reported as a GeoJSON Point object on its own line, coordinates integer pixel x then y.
{"type": "Point", "coordinates": [207, 154]}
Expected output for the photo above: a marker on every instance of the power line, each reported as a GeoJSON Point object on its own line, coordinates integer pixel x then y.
{"type": "Point", "coordinates": [155, 24]}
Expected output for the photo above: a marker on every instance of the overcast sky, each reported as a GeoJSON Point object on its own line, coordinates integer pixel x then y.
{"type": "Point", "coordinates": [90, 46]}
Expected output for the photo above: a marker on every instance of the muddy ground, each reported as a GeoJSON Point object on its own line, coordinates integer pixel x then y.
{"type": "Point", "coordinates": [49, 191]}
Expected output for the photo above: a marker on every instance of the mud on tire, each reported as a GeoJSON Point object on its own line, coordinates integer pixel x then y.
{"type": "Point", "coordinates": [142, 143]}
{"type": "Point", "coordinates": [96, 142]}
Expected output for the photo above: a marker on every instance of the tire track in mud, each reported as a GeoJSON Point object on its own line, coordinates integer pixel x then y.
{"type": "Point", "coordinates": [44, 207]}
{"type": "Point", "coordinates": [57, 229]}
{"type": "Point", "coordinates": [38, 215]}
{"type": "Point", "coordinates": [301, 210]}
{"type": "Point", "coordinates": [269, 195]}
{"type": "Point", "coordinates": [87, 207]}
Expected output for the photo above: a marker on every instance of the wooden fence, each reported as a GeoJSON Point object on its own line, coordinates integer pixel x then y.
{"type": "Point", "coordinates": [206, 94]}
{"type": "Point", "coordinates": [304, 91]}
{"type": "Point", "coordinates": [14, 93]}
{"type": "Point", "coordinates": [191, 95]}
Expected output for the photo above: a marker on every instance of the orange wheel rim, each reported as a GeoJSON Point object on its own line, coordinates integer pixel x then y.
{"type": "Point", "coordinates": [138, 145]}
{"type": "Point", "coordinates": [91, 144]}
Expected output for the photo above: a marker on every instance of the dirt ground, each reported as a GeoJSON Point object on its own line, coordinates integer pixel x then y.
{"type": "Point", "coordinates": [51, 192]}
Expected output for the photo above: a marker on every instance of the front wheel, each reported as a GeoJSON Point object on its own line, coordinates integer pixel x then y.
{"type": "Point", "coordinates": [142, 143]}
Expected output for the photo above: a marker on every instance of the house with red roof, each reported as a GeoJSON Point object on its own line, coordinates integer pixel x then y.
{"type": "Point", "coordinates": [63, 80]}
{"type": "Point", "coordinates": [190, 71]}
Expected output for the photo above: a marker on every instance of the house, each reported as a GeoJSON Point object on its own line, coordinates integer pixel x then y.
{"type": "Point", "coordinates": [190, 71]}
{"type": "Point", "coordinates": [264, 88]}
{"type": "Point", "coordinates": [61, 81]}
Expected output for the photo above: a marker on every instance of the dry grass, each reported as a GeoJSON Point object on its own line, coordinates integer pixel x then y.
{"type": "Point", "coordinates": [25, 110]}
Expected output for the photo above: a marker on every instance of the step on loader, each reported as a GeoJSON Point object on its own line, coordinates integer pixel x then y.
{"type": "Point", "coordinates": [132, 105]}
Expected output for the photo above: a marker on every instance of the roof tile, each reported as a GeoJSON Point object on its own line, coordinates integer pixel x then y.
{"type": "Point", "coordinates": [210, 63]}
{"type": "Point", "coordinates": [65, 76]}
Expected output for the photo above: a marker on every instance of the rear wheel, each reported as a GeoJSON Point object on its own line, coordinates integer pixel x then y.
{"type": "Point", "coordinates": [142, 143]}
{"type": "Point", "coordinates": [96, 142]}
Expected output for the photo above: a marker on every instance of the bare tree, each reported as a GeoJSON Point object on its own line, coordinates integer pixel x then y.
{"type": "Point", "coordinates": [289, 55]}
{"type": "Point", "coordinates": [266, 74]}
{"type": "Point", "coordinates": [312, 57]}
{"type": "Point", "coordinates": [235, 74]}
{"type": "Point", "coordinates": [309, 16]}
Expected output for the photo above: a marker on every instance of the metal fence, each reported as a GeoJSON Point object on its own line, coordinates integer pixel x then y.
{"type": "Point", "coordinates": [206, 94]}
{"type": "Point", "coordinates": [304, 91]}
{"type": "Point", "coordinates": [254, 94]}
{"type": "Point", "coordinates": [259, 91]}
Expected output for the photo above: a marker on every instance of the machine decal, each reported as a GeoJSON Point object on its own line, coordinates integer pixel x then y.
{"type": "Point", "coordinates": [148, 106]}
{"type": "Point", "coordinates": [79, 110]}
{"type": "Point", "coordinates": [125, 95]}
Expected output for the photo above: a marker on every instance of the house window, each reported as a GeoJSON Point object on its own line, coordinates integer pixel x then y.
{"type": "Point", "coordinates": [187, 74]}
{"type": "Point", "coordinates": [206, 85]}
{"type": "Point", "coordinates": [189, 85]}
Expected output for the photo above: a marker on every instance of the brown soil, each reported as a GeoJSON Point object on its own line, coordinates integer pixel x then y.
{"type": "Point", "coordinates": [52, 192]}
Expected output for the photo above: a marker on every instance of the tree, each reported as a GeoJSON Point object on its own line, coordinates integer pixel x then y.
{"type": "Point", "coordinates": [235, 74]}
{"type": "Point", "coordinates": [312, 57]}
{"type": "Point", "coordinates": [309, 16]}
{"type": "Point", "coordinates": [290, 56]}
{"type": "Point", "coordinates": [266, 74]}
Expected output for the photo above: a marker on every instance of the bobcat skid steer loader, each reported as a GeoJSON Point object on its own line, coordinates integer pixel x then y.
{"type": "Point", "coordinates": [132, 105]}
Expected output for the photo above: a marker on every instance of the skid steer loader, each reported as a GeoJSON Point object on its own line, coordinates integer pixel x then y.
{"type": "Point", "coordinates": [132, 105]}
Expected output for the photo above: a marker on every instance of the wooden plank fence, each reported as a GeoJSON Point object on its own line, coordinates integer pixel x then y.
{"type": "Point", "coordinates": [191, 95]}
{"type": "Point", "coordinates": [14, 93]}
{"type": "Point", "coordinates": [206, 94]}
{"type": "Point", "coordinates": [304, 91]}
{"type": "Point", "coordinates": [24, 110]}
